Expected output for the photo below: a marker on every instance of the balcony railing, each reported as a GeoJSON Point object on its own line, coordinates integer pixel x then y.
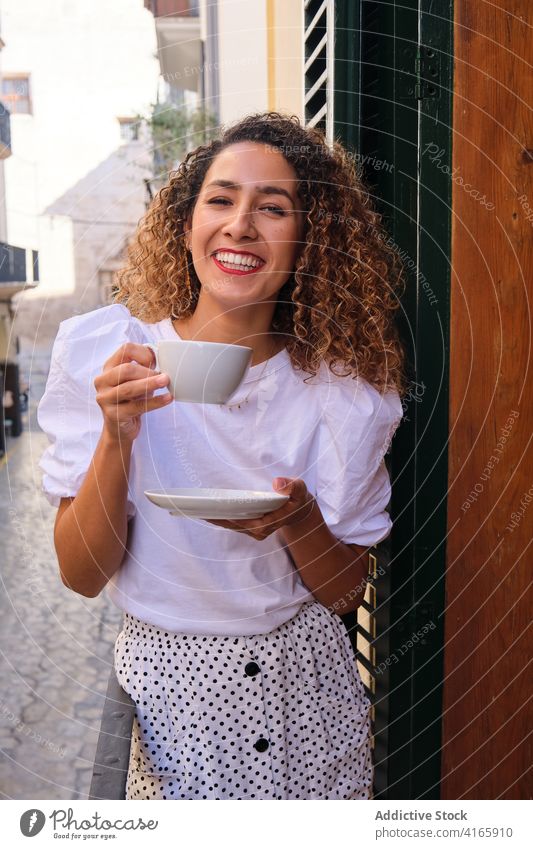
{"type": "Point", "coordinates": [5, 132]}
{"type": "Point", "coordinates": [173, 8]}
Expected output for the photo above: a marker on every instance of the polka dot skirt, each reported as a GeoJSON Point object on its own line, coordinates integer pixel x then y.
{"type": "Point", "coordinates": [281, 715]}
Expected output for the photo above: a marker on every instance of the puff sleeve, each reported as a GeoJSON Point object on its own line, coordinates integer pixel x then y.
{"type": "Point", "coordinates": [68, 412]}
{"type": "Point", "coordinates": [352, 482]}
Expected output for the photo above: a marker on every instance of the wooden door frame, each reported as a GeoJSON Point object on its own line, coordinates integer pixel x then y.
{"type": "Point", "coordinates": [487, 740]}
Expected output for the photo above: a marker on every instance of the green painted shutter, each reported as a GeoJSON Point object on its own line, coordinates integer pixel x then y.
{"type": "Point", "coordinates": [391, 102]}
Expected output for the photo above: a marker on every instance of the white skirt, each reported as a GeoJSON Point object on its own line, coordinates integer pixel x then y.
{"type": "Point", "coordinates": [281, 715]}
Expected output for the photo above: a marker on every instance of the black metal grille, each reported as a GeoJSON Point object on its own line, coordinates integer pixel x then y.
{"type": "Point", "coordinates": [318, 68]}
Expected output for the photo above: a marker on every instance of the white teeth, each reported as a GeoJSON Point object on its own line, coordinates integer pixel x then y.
{"type": "Point", "coordinates": [238, 260]}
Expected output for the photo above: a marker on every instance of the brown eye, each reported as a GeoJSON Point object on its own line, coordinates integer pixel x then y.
{"type": "Point", "coordinates": [276, 209]}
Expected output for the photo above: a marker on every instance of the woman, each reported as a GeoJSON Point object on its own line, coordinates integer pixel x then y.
{"type": "Point", "coordinates": [242, 671]}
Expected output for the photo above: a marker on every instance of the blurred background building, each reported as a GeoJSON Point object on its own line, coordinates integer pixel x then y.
{"type": "Point", "coordinates": [19, 271]}
{"type": "Point", "coordinates": [75, 77]}
{"type": "Point", "coordinates": [105, 98]}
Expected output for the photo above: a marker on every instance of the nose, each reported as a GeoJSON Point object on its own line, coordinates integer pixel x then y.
{"type": "Point", "coordinates": [240, 222]}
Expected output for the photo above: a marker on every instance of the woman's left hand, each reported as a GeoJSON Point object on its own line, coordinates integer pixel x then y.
{"type": "Point", "coordinates": [297, 508]}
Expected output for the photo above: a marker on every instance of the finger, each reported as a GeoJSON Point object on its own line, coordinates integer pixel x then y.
{"type": "Point", "coordinates": [249, 524]}
{"type": "Point", "coordinates": [286, 510]}
{"type": "Point", "coordinates": [295, 488]}
{"type": "Point", "coordinates": [119, 412]}
{"type": "Point", "coordinates": [131, 351]}
{"type": "Point", "coordinates": [222, 523]}
{"type": "Point", "coordinates": [278, 515]}
{"type": "Point", "coordinates": [135, 390]}
{"type": "Point", "coordinates": [261, 530]}
{"type": "Point", "coordinates": [124, 373]}
{"type": "Point", "coordinates": [236, 526]}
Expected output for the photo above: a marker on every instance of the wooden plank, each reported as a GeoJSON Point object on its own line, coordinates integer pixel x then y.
{"type": "Point", "coordinates": [486, 749]}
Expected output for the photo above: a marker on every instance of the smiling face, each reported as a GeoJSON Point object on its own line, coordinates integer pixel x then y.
{"type": "Point", "coordinates": [247, 225]}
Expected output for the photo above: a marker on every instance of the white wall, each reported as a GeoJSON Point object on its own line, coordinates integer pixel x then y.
{"type": "Point", "coordinates": [289, 58]}
{"type": "Point", "coordinates": [242, 48]}
{"type": "Point", "coordinates": [90, 62]}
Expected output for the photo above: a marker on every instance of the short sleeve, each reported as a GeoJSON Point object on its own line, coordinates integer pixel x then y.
{"type": "Point", "coordinates": [353, 486]}
{"type": "Point", "coordinates": [68, 412]}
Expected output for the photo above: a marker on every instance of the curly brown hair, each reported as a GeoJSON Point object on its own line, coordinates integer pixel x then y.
{"type": "Point", "coordinates": [337, 306]}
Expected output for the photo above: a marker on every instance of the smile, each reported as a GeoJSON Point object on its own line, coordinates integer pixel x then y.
{"type": "Point", "coordinates": [236, 263]}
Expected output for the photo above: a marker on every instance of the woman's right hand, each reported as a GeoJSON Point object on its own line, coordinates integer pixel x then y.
{"type": "Point", "coordinates": [124, 390]}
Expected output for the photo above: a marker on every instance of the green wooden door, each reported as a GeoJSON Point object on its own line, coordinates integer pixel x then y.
{"type": "Point", "coordinates": [387, 67]}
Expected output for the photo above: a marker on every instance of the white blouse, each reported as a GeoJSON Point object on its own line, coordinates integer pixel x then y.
{"type": "Point", "coordinates": [186, 575]}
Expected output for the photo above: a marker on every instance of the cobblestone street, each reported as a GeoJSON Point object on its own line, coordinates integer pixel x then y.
{"type": "Point", "coordinates": [56, 647]}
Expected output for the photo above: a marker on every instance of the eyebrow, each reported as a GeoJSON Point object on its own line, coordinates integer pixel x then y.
{"type": "Point", "coordinates": [264, 190]}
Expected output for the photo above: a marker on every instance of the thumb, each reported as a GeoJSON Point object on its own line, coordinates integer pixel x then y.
{"type": "Point", "coordinates": [295, 488]}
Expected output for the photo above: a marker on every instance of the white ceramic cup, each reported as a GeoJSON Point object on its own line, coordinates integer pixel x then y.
{"type": "Point", "coordinates": [201, 372]}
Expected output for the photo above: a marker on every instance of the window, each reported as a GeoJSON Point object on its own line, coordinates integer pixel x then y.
{"type": "Point", "coordinates": [16, 93]}
{"type": "Point", "coordinates": [129, 129]}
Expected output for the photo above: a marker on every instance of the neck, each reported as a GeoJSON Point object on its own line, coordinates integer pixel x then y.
{"type": "Point", "coordinates": [250, 326]}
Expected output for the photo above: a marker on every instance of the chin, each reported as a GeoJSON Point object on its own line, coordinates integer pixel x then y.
{"type": "Point", "coordinates": [232, 290]}
{"type": "Point", "coordinates": [227, 301]}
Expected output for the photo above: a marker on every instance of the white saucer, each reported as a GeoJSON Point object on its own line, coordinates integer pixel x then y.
{"type": "Point", "coordinates": [217, 503]}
